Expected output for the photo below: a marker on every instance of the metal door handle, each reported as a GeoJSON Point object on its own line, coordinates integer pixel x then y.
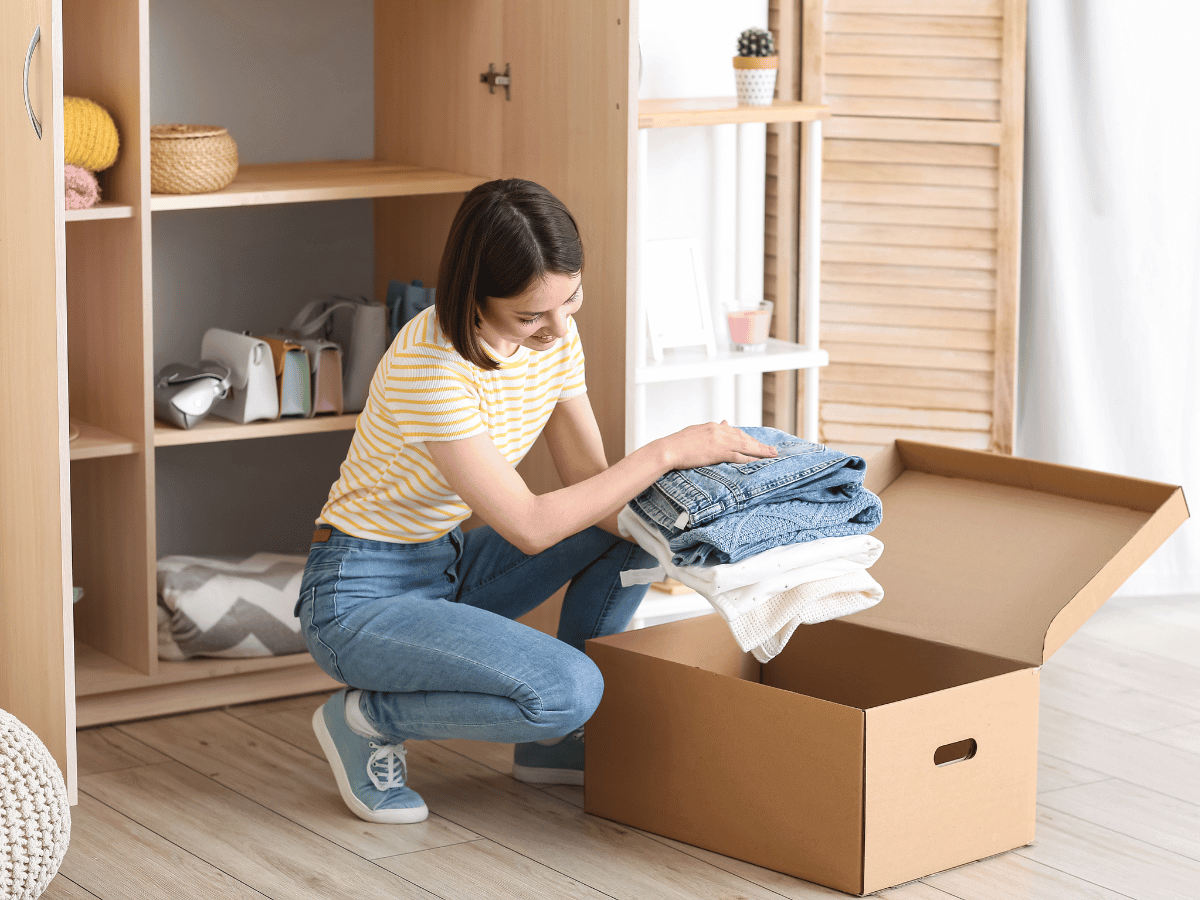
{"type": "Point", "coordinates": [33, 42]}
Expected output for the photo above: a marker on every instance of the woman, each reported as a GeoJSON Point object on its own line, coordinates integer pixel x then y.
{"type": "Point", "coordinates": [418, 617]}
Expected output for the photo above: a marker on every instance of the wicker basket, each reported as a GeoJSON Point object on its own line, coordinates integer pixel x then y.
{"type": "Point", "coordinates": [191, 159]}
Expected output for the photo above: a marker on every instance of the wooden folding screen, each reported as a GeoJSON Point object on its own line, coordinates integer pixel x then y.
{"type": "Point", "coordinates": [921, 216]}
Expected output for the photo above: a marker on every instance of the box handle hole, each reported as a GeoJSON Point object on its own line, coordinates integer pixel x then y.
{"type": "Point", "coordinates": [948, 754]}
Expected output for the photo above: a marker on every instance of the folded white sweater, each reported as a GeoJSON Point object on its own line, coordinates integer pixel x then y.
{"type": "Point", "coordinates": [766, 597]}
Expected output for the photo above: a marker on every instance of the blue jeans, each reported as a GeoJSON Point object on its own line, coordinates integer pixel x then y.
{"type": "Point", "coordinates": [426, 630]}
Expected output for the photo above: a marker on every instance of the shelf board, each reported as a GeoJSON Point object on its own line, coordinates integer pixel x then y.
{"type": "Point", "coordinates": [99, 211]}
{"type": "Point", "coordinates": [213, 429]}
{"type": "Point", "coordinates": [723, 111]}
{"type": "Point", "coordinates": [94, 442]}
{"type": "Point", "coordinates": [306, 182]}
{"type": "Point", "coordinates": [682, 364]}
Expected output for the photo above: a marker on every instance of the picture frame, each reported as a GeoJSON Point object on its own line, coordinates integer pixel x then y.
{"type": "Point", "coordinates": [674, 294]}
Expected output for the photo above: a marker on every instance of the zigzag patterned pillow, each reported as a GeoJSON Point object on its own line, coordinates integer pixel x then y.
{"type": "Point", "coordinates": [228, 608]}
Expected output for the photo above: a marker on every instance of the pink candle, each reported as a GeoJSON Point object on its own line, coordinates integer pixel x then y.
{"type": "Point", "coordinates": [749, 327]}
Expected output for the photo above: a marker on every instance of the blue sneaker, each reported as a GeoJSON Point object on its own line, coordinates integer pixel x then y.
{"type": "Point", "coordinates": [370, 774]}
{"type": "Point", "coordinates": [557, 761]}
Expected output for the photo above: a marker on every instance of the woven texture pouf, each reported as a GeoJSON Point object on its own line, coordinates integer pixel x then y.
{"type": "Point", "coordinates": [35, 818]}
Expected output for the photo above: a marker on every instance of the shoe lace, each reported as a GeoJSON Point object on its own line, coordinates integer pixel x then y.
{"type": "Point", "coordinates": [386, 766]}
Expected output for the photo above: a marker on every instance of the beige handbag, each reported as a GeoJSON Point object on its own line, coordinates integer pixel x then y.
{"type": "Point", "coordinates": [325, 359]}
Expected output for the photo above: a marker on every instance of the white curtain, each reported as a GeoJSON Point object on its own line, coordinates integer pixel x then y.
{"type": "Point", "coordinates": [1109, 373]}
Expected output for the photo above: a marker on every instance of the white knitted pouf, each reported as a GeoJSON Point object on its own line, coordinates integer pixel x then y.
{"type": "Point", "coordinates": [35, 818]}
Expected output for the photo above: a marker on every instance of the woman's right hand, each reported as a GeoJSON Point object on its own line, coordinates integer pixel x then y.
{"type": "Point", "coordinates": [709, 444]}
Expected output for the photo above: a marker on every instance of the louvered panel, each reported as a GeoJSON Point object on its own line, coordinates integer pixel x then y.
{"type": "Point", "coordinates": [918, 7]}
{"type": "Point", "coordinates": [910, 173]}
{"type": "Point", "coordinates": [895, 214]}
{"type": "Point", "coordinates": [912, 67]}
{"type": "Point", "coordinates": [898, 336]}
{"type": "Point", "coordinates": [917, 256]}
{"type": "Point", "coordinates": [840, 433]}
{"type": "Point", "coordinates": [909, 236]}
{"type": "Point", "coordinates": [842, 150]}
{"type": "Point", "coordinates": [908, 316]}
{"type": "Point", "coordinates": [877, 374]}
{"type": "Point", "coordinates": [982, 110]}
{"type": "Point", "coordinates": [916, 88]}
{"type": "Point", "coordinates": [915, 276]}
{"type": "Point", "coordinates": [909, 194]}
{"type": "Point", "coordinates": [905, 45]}
{"type": "Point", "coordinates": [913, 398]}
{"type": "Point", "coordinates": [935, 26]}
{"type": "Point", "coordinates": [857, 414]}
{"type": "Point", "coordinates": [944, 298]}
{"type": "Point", "coordinates": [920, 357]}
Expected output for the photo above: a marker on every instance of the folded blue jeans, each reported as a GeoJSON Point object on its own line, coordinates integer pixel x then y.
{"type": "Point", "coordinates": [426, 630]}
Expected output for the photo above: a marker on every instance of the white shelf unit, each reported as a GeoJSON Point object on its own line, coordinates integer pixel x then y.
{"type": "Point", "coordinates": [686, 364]}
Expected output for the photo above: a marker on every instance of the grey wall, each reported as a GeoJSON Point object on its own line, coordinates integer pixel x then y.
{"type": "Point", "coordinates": [292, 80]}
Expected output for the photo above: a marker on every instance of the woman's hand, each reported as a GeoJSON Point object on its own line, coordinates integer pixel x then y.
{"type": "Point", "coordinates": [710, 443]}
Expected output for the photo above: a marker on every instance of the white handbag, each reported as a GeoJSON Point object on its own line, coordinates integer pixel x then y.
{"type": "Point", "coordinates": [253, 392]}
{"type": "Point", "coordinates": [361, 350]}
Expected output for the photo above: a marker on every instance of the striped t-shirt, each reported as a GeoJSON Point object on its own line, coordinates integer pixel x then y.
{"type": "Point", "coordinates": [389, 488]}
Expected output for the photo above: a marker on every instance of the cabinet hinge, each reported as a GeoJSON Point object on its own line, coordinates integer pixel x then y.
{"type": "Point", "coordinates": [494, 79]}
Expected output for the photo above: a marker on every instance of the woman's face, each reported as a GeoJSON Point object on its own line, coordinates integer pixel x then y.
{"type": "Point", "coordinates": [536, 318]}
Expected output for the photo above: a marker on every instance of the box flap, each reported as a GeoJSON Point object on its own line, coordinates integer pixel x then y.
{"type": "Point", "coordinates": [1004, 555]}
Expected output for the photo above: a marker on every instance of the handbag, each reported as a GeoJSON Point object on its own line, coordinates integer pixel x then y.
{"type": "Point", "coordinates": [404, 301]}
{"type": "Point", "coordinates": [293, 379]}
{"type": "Point", "coordinates": [361, 350]}
{"type": "Point", "coordinates": [183, 395]}
{"type": "Point", "coordinates": [325, 359]}
{"type": "Point", "coordinates": [253, 393]}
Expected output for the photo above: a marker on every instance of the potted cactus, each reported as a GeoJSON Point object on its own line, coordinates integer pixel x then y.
{"type": "Point", "coordinates": [755, 67]}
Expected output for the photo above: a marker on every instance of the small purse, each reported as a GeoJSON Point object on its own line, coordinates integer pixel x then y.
{"type": "Point", "coordinates": [293, 379]}
{"type": "Point", "coordinates": [253, 393]}
{"type": "Point", "coordinates": [325, 360]}
{"type": "Point", "coordinates": [183, 395]}
{"type": "Point", "coordinates": [361, 350]}
{"type": "Point", "coordinates": [405, 301]}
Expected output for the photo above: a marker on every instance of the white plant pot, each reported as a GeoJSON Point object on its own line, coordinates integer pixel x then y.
{"type": "Point", "coordinates": [755, 77]}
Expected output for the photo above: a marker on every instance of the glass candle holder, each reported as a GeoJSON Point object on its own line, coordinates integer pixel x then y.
{"type": "Point", "coordinates": [749, 327]}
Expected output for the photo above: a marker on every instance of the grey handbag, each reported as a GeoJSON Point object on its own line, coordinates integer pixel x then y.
{"type": "Point", "coordinates": [183, 395]}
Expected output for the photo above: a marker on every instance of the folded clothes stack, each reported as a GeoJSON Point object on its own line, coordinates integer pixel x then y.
{"type": "Point", "coordinates": [771, 544]}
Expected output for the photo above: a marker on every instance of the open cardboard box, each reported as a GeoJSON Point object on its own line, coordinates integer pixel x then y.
{"type": "Point", "coordinates": [900, 741]}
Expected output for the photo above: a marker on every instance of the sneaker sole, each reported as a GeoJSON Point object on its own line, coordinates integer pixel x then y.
{"type": "Point", "coordinates": [409, 816]}
{"type": "Point", "coordinates": [534, 775]}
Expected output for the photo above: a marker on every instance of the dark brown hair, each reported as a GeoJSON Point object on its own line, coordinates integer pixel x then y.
{"type": "Point", "coordinates": [505, 235]}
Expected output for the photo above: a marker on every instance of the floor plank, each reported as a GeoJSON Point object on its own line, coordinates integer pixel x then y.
{"type": "Point", "coordinates": [251, 843]}
{"type": "Point", "coordinates": [117, 857]}
{"type": "Point", "coordinates": [1143, 671]}
{"type": "Point", "coordinates": [1055, 774]}
{"type": "Point", "coordinates": [291, 782]}
{"type": "Point", "coordinates": [1119, 754]}
{"type": "Point", "coordinates": [1094, 697]}
{"type": "Point", "coordinates": [1148, 816]}
{"type": "Point", "coordinates": [1106, 858]}
{"type": "Point", "coordinates": [608, 857]}
{"type": "Point", "coordinates": [63, 888]}
{"type": "Point", "coordinates": [483, 870]}
{"type": "Point", "coordinates": [107, 749]}
{"type": "Point", "coordinates": [1185, 737]}
{"type": "Point", "coordinates": [1012, 876]}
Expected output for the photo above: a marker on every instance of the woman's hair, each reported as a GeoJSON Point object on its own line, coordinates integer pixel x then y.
{"type": "Point", "coordinates": [506, 234]}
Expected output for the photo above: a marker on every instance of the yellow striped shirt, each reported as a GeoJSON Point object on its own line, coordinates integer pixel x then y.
{"type": "Point", "coordinates": [389, 488]}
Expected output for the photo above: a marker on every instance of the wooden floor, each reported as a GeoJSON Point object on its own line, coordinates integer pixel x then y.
{"type": "Point", "coordinates": [239, 803]}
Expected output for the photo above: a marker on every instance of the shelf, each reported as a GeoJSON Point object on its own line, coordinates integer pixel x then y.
{"type": "Point", "coordinates": [683, 364]}
{"type": "Point", "coordinates": [723, 111]}
{"type": "Point", "coordinates": [306, 182]}
{"type": "Point", "coordinates": [213, 429]}
{"type": "Point", "coordinates": [94, 442]}
{"type": "Point", "coordinates": [99, 211]}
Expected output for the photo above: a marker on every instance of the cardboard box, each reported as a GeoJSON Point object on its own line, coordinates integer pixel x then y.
{"type": "Point", "coordinates": [900, 741]}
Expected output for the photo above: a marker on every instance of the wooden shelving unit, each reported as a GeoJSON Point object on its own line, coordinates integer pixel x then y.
{"type": "Point", "coordinates": [309, 182]}
{"type": "Point", "coordinates": [94, 443]}
{"type": "Point", "coordinates": [212, 429]}
{"type": "Point", "coordinates": [683, 364]}
{"type": "Point", "coordinates": [101, 210]}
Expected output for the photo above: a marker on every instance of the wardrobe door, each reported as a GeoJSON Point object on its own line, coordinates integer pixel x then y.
{"type": "Point", "coordinates": [571, 125]}
{"type": "Point", "coordinates": [36, 659]}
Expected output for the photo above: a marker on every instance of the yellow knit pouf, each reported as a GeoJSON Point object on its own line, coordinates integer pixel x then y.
{"type": "Point", "coordinates": [89, 134]}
